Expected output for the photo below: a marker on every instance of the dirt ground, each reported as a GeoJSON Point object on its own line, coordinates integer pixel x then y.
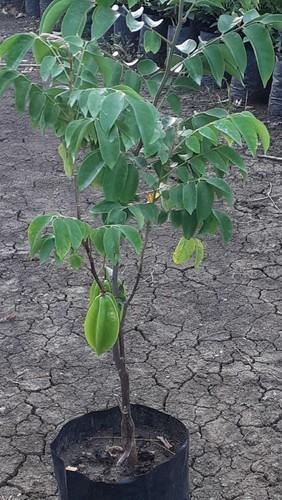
{"type": "Point", "coordinates": [204, 346]}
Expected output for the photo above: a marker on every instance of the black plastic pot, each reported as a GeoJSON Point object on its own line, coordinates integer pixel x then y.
{"type": "Point", "coordinates": [253, 90]}
{"type": "Point", "coordinates": [168, 481]}
{"type": "Point", "coordinates": [32, 8]}
{"type": "Point", "coordinates": [187, 32]}
{"type": "Point", "coordinates": [43, 5]}
{"type": "Point", "coordinates": [128, 39]}
{"type": "Point", "coordinates": [275, 99]}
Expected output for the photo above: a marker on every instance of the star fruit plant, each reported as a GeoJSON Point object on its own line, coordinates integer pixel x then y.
{"type": "Point", "coordinates": [148, 166]}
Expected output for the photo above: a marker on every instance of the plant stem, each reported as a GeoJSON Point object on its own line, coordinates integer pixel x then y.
{"type": "Point", "coordinates": [127, 423]}
{"type": "Point", "coordinates": [86, 243]}
{"type": "Point", "coordinates": [171, 52]}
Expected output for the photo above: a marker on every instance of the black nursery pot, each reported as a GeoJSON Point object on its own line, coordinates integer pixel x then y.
{"type": "Point", "coordinates": [187, 32]}
{"type": "Point", "coordinates": [128, 39]}
{"type": "Point", "coordinates": [43, 5]}
{"type": "Point", "coordinates": [32, 8]}
{"type": "Point", "coordinates": [275, 99]}
{"type": "Point", "coordinates": [168, 481]}
{"type": "Point", "coordinates": [253, 90]}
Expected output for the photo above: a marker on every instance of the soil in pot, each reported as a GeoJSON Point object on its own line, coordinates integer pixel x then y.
{"type": "Point", "coordinates": [85, 453]}
{"type": "Point", "coordinates": [96, 456]}
{"type": "Point", "coordinates": [275, 99]}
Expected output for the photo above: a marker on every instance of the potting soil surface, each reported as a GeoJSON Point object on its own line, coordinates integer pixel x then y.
{"type": "Point", "coordinates": [202, 345]}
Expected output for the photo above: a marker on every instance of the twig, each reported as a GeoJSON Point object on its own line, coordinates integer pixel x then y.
{"type": "Point", "coordinates": [140, 268]}
{"type": "Point", "coordinates": [270, 157]}
{"type": "Point", "coordinates": [268, 196]}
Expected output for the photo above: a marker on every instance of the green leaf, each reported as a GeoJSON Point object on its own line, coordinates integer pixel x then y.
{"type": "Point", "coordinates": [216, 61]}
{"type": "Point", "coordinates": [146, 117]}
{"type": "Point", "coordinates": [132, 79]}
{"type": "Point", "coordinates": [175, 103]}
{"type": "Point", "coordinates": [75, 18]}
{"type": "Point", "coordinates": [225, 224]}
{"type": "Point", "coordinates": [233, 157]}
{"type": "Point", "coordinates": [112, 107]}
{"type": "Point", "coordinates": [95, 101]}
{"type": "Point", "coordinates": [222, 186]}
{"type": "Point", "coordinates": [193, 144]}
{"type": "Point", "coordinates": [147, 67]}
{"type": "Point", "coordinates": [110, 70]}
{"type": "Point", "coordinates": [111, 243]}
{"type": "Point", "coordinates": [22, 87]}
{"type": "Point", "coordinates": [114, 180]}
{"type": "Point", "coordinates": [226, 126]}
{"type": "Point", "coordinates": [109, 145]}
{"type": "Point", "coordinates": [210, 134]}
{"type": "Point", "coordinates": [128, 193]}
{"type": "Point", "coordinates": [205, 197]}
{"type": "Point", "coordinates": [227, 22]}
{"type": "Point", "coordinates": [217, 160]}
{"type": "Point", "coordinates": [67, 159]}
{"type": "Point", "coordinates": [37, 100]}
{"type": "Point", "coordinates": [75, 231]}
{"type": "Point", "coordinates": [76, 261]}
{"type": "Point", "coordinates": [47, 246]}
{"type": "Point", "coordinates": [35, 228]}
{"type": "Point", "coordinates": [261, 42]}
{"type": "Point", "coordinates": [46, 67]}
{"type": "Point", "coordinates": [103, 19]}
{"type": "Point", "coordinates": [52, 15]}
{"type": "Point", "coordinates": [137, 214]}
{"type": "Point", "coordinates": [62, 237]}
{"type": "Point", "coordinates": [195, 68]}
{"type": "Point", "coordinates": [152, 41]}
{"type": "Point", "coordinates": [75, 133]}
{"type": "Point", "coordinates": [132, 24]}
{"type": "Point", "coordinates": [246, 124]}
{"type": "Point", "coordinates": [237, 48]}
{"type": "Point", "coordinates": [40, 49]}
{"type": "Point", "coordinates": [14, 48]}
{"type": "Point", "coordinates": [133, 236]}
{"type": "Point", "coordinates": [176, 196]}
{"type": "Point", "coordinates": [199, 253]}
{"type": "Point", "coordinates": [189, 223]}
{"type": "Point", "coordinates": [6, 78]}
{"type": "Point", "coordinates": [190, 197]}
{"type": "Point", "coordinates": [97, 238]}
{"type": "Point", "coordinates": [184, 250]}
{"type": "Point", "coordinates": [263, 134]}
{"type": "Point", "coordinates": [89, 169]}
{"type": "Point", "coordinates": [198, 166]}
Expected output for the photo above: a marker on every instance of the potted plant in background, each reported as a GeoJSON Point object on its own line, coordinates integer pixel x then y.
{"type": "Point", "coordinates": [275, 98]}
{"type": "Point", "coordinates": [146, 167]}
{"type": "Point", "coordinates": [252, 89]}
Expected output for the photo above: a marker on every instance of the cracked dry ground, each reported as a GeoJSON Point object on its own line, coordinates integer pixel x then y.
{"type": "Point", "coordinates": [205, 346]}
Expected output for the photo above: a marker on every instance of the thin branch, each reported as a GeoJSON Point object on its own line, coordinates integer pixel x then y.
{"type": "Point", "coordinates": [270, 157]}
{"type": "Point", "coordinates": [140, 268]}
{"type": "Point", "coordinates": [87, 244]}
{"type": "Point", "coordinates": [171, 52]}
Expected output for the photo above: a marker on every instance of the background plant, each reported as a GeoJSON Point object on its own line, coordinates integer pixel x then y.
{"type": "Point", "coordinates": [144, 166]}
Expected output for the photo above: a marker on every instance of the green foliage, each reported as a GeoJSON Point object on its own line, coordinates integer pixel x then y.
{"type": "Point", "coordinates": [146, 168]}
